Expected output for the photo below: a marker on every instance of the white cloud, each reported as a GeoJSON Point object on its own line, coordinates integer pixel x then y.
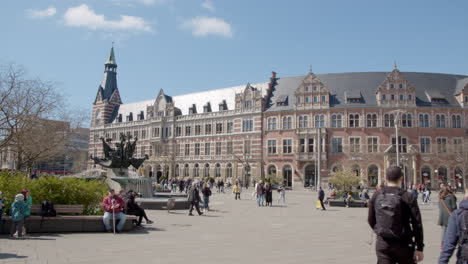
{"type": "Point", "coordinates": [83, 16]}
{"type": "Point", "coordinates": [208, 4]}
{"type": "Point", "coordinates": [41, 13]}
{"type": "Point", "coordinates": [131, 3]}
{"type": "Point", "coordinates": [152, 2]}
{"type": "Point", "coordinates": [204, 26]}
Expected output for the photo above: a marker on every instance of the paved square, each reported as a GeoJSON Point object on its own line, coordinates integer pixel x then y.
{"type": "Point", "coordinates": [233, 232]}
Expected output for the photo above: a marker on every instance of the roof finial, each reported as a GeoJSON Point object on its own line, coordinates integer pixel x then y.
{"type": "Point", "coordinates": [395, 66]}
{"type": "Point", "coordinates": [310, 68]}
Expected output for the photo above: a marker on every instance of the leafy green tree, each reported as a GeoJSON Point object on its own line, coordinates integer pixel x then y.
{"type": "Point", "coordinates": [344, 179]}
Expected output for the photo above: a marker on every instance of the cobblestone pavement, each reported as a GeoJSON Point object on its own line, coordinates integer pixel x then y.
{"type": "Point", "coordinates": [233, 232]}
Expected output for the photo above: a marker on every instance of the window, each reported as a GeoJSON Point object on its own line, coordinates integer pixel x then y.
{"type": "Point", "coordinates": [197, 130]}
{"type": "Point", "coordinates": [298, 100]}
{"type": "Point", "coordinates": [440, 121]}
{"type": "Point", "coordinates": [458, 145]}
{"type": "Point", "coordinates": [400, 86]}
{"type": "Point", "coordinates": [143, 134]}
{"type": "Point", "coordinates": [425, 145]}
{"type": "Point", "coordinates": [178, 131]}
{"type": "Point", "coordinates": [423, 120]}
{"type": "Point", "coordinates": [230, 127]}
{"type": "Point", "coordinates": [114, 136]}
{"type": "Point", "coordinates": [407, 120]}
{"type": "Point", "coordinates": [177, 171]}
{"type": "Point", "coordinates": [143, 150]}
{"type": "Point", "coordinates": [336, 120]}
{"type": "Point", "coordinates": [310, 147]}
{"type": "Point", "coordinates": [456, 121]}
{"type": "Point", "coordinates": [355, 145]}
{"type": "Point", "coordinates": [229, 147]}
{"type": "Point", "coordinates": [441, 145]}
{"type": "Point", "coordinates": [218, 148]}
{"type": "Point", "coordinates": [306, 89]}
{"type": "Point", "coordinates": [319, 121]}
{"type": "Point", "coordinates": [353, 120]}
{"type": "Point", "coordinates": [323, 98]}
{"type": "Point", "coordinates": [207, 170]}
{"type": "Point", "coordinates": [392, 97]}
{"type": "Point", "coordinates": [315, 99]}
{"type": "Point", "coordinates": [219, 128]}
{"type": "Point", "coordinates": [187, 150]}
{"type": "Point", "coordinates": [287, 122]}
{"type": "Point", "coordinates": [248, 104]}
{"type": "Point", "coordinates": [196, 170]}
{"type": "Point", "coordinates": [197, 149]}
{"type": "Point", "coordinates": [272, 171]}
{"type": "Point", "coordinates": [247, 125]}
{"type": "Point", "coordinates": [271, 146]}
{"type": "Point", "coordinates": [402, 144]}
{"type": "Point", "coordinates": [135, 134]}
{"type": "Point", "coordinates": [247, 146]}
{"type": "Point", "coordinates": [392, 86]}
{"type": "Point", "coordinates": [315, 88]}
{"type": "Point", "coordinates": [303, 121]}
{"type": "Point", "coordinates": [188, 130]}
{"type": "Point", "coordinates": [272, 123]}
{"type": "Point", "coordinates": [384, 97]}
{"type": "Point", "coordinates": [410, 97]}
{"type": "Point", "coordinates": [176, 149]}
{"type": "Point", "coordinates": [307, 99]}
{"type": "Point", "coordinates": [218, 170]}
{"type": "Point", "coordinates": [186, 170]}
{"type": "Point", "coordinates": [372, 145]}
{"type": "Point", "coordinates": [302, 145]}
{"type": "Point", "coordinates": [229, 170]}
{"type": "Point", "coordinates": [389, 120]}
{"type": "Point", "coordinates": [371, 120]}
{"type": "Point", "coordinates": [337, 145]}
{"type": "Point", "coordinates": [287, 146]}
{"type": "Point", "coordinates": [207, 149]}
{"type": "Point", "coordinates": [207, 129]}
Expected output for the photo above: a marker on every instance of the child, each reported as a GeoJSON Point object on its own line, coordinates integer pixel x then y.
{"type": "Point", "coordinates": [18, 213]}
{"type": "Point", "coordinates": [237, 191]}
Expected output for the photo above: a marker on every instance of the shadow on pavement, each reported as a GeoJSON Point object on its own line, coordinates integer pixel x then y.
{"type": "Point", "coordinates": [8, 255]}
{"type": "Point", "coordinates": [145, 230]}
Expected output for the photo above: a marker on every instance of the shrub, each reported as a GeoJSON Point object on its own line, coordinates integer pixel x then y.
{"type": "Point", "coordinates": [59, 191]}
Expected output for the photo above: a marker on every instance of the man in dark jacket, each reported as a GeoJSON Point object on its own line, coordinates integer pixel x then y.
{"type": "Point", "coordinates": [132, 208]}
{"type": "Point", "coordinates": [194, 199]}
{"type": "Point", "coordinates": [406, 249]}
{"type": "Point", "coordinates": [452, 235]}
{"type": "Point", "coordinates": [321, 196]}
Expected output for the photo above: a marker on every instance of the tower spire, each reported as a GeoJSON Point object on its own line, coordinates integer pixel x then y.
{"type": "Point", "coordinates": [395, 66]}
{"type": "Point", "coordinates": [111, 59]}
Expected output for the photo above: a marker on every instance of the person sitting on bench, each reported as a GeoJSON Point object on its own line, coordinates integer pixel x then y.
{"type": "Point", "coordinates": [113, 207]}
{"type": "Point", "coordinates": [132, 208]}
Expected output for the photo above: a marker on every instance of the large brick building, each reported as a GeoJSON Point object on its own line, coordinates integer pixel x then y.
{"type": "Point", "coordinates": [296, 128]}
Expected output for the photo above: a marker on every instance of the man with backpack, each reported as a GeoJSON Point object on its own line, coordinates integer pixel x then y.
{"type": "Point", "coordinates": [456, 234]}
{"type": "Point", "coordinates": [395, 218]}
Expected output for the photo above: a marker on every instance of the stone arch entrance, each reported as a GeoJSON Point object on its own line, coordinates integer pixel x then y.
{"type": "Point", "coordinates": [426, 173]}
{"type": "Point", "coordinates": [158, 173]}
{"type": "Point", "coordinates": [309, 175]}
{"type": "Point", "coordinates": [287, 176]}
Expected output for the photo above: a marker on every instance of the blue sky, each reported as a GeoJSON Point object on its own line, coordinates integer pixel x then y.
{"type": "Point", "coordinates": [194, 45]}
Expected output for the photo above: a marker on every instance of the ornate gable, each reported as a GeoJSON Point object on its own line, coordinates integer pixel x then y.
{"type": "Point", "coordinates": [163, 106]}
{"type": "Point", "coordinates": [250, 99]}
{"type": "Point", "coordinates": [312, 93]}
{"type": "Point", "coordinates": [115, 97]}
{"type": "Point", "coordinates": [99, 95]}
{"type": "Point", "coordinates": [395, 90]}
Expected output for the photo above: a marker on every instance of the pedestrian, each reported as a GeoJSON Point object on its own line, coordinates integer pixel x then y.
{"type": "Point", "coordinates": [447, 204]}
{"type": "Point", "coordinates": [18, 213]}
{"type": "Point", "coordinates": [28, 201]}
{"type": "Point", "coordinates": [181, 186]}
{"type": "Point", "coordinates": [1, 208]}
{"type": "Point", "coordinates": [456, 235]}
{"type": "Point", "coordinates": [194, 199]}
{"type": "Point", "coordinates": [206, 197]}
{"type": "Point", "coordinates": [321, 196]}
{"type": "Point", "coordinates": [282, 194]}
{"type": "Point", "coordinates": [113, 207]}
{"type": "Point", "coordinates": [222, 186]}
{"type": "Point", "coordinates": [236, 191]}
{"type": "Point", "coordinates": [268, 194]}
{"type": "Point", "coordinates": [395, 218]}
{"type": "Point", "coordinates": [414, 192]}
{"type": "Point", "coordinates": [259, 192]}
{"type": "Point", "coordinates": [364, 196]}
{"type": "Point", "coordinates": [427, 196]}
{"type": "Point", "coordinates": [132, 208]}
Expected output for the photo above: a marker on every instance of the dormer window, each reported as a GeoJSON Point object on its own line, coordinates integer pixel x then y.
{"type": "Point", "coordinates": [119, 118]}
{"type": "Point", "coordinates": [248, 104]}
{"type": "Point", "coordinates": [130, 117]}
{"type": "Point", "coordinates": [392, 86]}
{"type": "Point", "coordinates": [306, 88]}
{"type": "Point", "coordinates": [315, 88]}
{"type": "Point", "coordinates": [207, 108]}
{"type": "Point", "coordinates": [439, 101]}
{"type": "Point", "coordinates": [354, 100]}
{"type": "Point", "coordinates": [192, 110]}
{"type": "Point", "coordinates": [282, 100]}
{"type": "Point", "coordinates": [223, 106]}
{"type": "Point", "coordinates": [141, 116]}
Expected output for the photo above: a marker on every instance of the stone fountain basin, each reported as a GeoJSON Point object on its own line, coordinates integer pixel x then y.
{"type": "Point", "coordinates": [157, 203]}
{"type": "Point", "coordinates": [169, 195]}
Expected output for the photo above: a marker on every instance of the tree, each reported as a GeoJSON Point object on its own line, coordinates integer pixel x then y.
{"type": "Point", "coordinates": [344, 179]}
{"type": "Point", "coordinates": [35, 124]}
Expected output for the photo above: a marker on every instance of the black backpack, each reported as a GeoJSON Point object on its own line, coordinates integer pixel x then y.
{"type": "Point", "coordinates": [388, 215]}
{"type": "Point", "coordinates": [462, 217]}
{"type": "Point", "coordinates": [47, 209]}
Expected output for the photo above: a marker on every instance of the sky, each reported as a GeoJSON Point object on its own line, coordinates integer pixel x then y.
{"type": "Point", "coordinates": [185, 46]}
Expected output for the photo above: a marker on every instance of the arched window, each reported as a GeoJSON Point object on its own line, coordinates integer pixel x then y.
{"type": "Point", "coordinates": [354, 120]}
{"type": "Point", "coordinates": [272, 123]}
{"type": "Point", "coordinates": [440, 121]}
{"type": "Point", "coordinates": [186, 170]}
{"type": "Point", "coordinates": [207, 170]}
{"type": "Point", "coordinates": [287, 122]}
{"type": "Point", "coordinates": [372, 175]}
{"type": "Point", "coordinates": [443, 174]}
{"type": "Point", "coordinates": [319, 121]}
{"type": "Point", "coordinates": [336, 121]}
{"type": "Point", "coordinates": [356, 169]}
{"type": "Point", "coordinates": [337, 168]}
{"type": "Point", "coordinates": [423, 120]}
{"type": "Point", "coordinates": [426, 175]}
{"type": "Point", "coordinates": [229, 170]}
{"type": "Point", "coordinates": [407, 120]}
{"type": "Point", "coordinates": [176, 171]}
{"type": "Point", "coordinates": [287, 176]}
{"type": "Point", "coordinates": [303, 121]}
{"type": "Point", "coordinates": [371, 120]}
{"type": "Point", "coordinates": [272, 171]}
{"type": "Point", "coordinates": [389, 120]}
{"type": "Point", "coordinates": [196, 170]}
{"type": "Point", "coordinates": [218, 170]}
{"type": "Point", "coordinates": [456, 121]}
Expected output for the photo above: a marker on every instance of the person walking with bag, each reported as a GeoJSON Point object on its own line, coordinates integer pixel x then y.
{"type": "Point", "coordinates": [194, 199]}
{"type": "Point", "coordinates": [236, 190]}
{"type": "Point", "coordinates": [321, 196]}
{"type": "Point", "coordinates": [206, 197]}
{"type": "Point", "coordinates": [396, 220]}
{"type": "Point", "coordinates": [447, 204]}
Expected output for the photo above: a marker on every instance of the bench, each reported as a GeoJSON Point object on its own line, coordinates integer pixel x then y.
{"type": "Point", "coordinates": [63, 223]}
{"type": "Point", "coordinates": [352, 203]}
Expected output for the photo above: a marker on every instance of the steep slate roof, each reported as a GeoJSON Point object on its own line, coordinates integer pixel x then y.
{"type": "Point", "coordinates": [367, 83]}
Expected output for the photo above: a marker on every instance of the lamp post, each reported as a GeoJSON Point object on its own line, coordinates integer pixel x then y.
{"type": "Point", "coordinates": [397, 114]}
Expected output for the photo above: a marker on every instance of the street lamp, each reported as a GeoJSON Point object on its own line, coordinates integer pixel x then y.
{"type": "Point", "coordinates": [397, 114]}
